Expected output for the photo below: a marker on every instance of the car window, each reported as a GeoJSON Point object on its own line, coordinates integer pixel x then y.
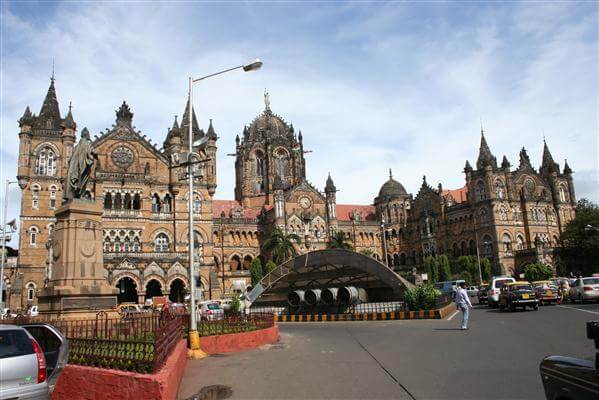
{"type": "Point", "coordinates": [214, 306]}
{"type": "Point", "coordinates": [521, 287]}
{"type": "Point", "coordinates": [14, 343]}
{"type": "Point", "coordinates": [591, 281]}
{"type": "Point", "coordinates": [501, 282]}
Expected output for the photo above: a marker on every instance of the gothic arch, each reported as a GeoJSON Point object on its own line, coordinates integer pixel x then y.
{"type": "Point", "coordinates": [157, 278]}
{"type": "Point", "coordinates": [183, 278]}
{"type": "Point", "coordinates": [125, 274]}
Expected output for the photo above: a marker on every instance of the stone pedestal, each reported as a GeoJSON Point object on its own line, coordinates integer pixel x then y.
{"type": "Point", "coordinates": [78, 281]}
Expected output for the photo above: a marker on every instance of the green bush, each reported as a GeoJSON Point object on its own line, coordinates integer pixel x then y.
{"type": "Point", "coordinates": [537, 272]}
{"type": "Point", "coordinates": [235, 304]}
{"type": "Point", "coordinates": [432, 269]}
{"type": "Point", "coordinates": [269, 267]}
{"type": "Point", "coordinates": [256, 270]}
{"type": "Point", "coordinates": [421, 297]}
{"type": "Point", "coordinates": [444, 268]}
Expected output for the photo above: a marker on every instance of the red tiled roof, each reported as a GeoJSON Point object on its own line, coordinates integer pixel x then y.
{"type": "Point", "coordinates": [218, 206]}
{"type": "Point", "coordinates": [345, 211]}
{"type": "Point", "coordinates": [459, 195]}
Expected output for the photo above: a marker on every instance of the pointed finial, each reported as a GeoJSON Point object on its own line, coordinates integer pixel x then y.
{"type": "Point", "coordinates": [482, 131]}
{"type": "Point", "coordinates": [52, 78]}
{"type": "Point", "coordinates": [424, 179]}
{"type": "Point", "coordinates": [70, 106]}
{"type": "Point", "coordinates": [390, 174]}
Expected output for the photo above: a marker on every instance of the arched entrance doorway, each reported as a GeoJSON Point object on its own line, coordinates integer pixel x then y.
{"type": "Point", "coordinates": [127, 290]}
{"type": "Point", "coordinates": [153, 288]}
{"type": "Point", "coordinates": [177, 291]}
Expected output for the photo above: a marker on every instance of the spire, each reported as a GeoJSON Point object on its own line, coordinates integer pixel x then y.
{"type": "Point", "coordinates": [237, 140]}
{"type": "Point", "coordinates": [505, 164]}
{"type": "Point", "coordinates": [330, 185]}
{"type": "Point", "coordinates": [524, 160]}
{"type": "Point", "coordinates": [567, 169]}
{"type": "Point", "coordinates": [27, 118]}
{"type": "Point", "coordinates": [175, 125]}
{"type": "Point", "coordinates": [468, 167]}
{"type": "Point", "coordinates": [68, 122]}
{"type": "Point", "coordinates": [124, 114]}
{"type": "Point", "coordinates": [211, 133]}
{"type": "Point", "coordinates": [300, 137]}
{"type": "Point", "coordinates": [485, 157]}
{"type": "Point", "coordinates": [185, 122]}
{"type": "Point", "coordinates": [548, 166]}
{"type": "Point", "coordinates": [50, 112]}
{"type": "Point", "coordinates": [390, 174]}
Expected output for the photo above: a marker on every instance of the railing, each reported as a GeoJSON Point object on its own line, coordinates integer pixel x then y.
{"type": "Point", "coordinates": [135, 342]}
{"type": "Point", "coordinates": [363, 308]}
{"type": "Point", "coordinates": [167, 255]}
{"type": "Point", "coordinates": [236, 324]}
{"type": "Point", "coordinates": [121, 212]}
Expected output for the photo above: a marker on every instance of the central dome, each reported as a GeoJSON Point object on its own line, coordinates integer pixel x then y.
{"type": "Point", "coordinates": [267, 121]}
{"type": "Point", "coordinates": [391, 190]}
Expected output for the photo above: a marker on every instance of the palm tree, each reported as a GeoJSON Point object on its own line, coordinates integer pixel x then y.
{"type": "Point", "coordinates": [339, 241]}
{"type": "Point", "coordinates": [281, 245]}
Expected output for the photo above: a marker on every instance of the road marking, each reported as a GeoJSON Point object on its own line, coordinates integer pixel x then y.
{"type": "Point", "coordinates": [452, 315]}
{"type": "Point", "coordinates": [579, 309]}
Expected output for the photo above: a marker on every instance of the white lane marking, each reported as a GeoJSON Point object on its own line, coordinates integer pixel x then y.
{"type": "Point", "coordinates": [579, 309]}
{"type": "Point", "coordinates": [452, 315]}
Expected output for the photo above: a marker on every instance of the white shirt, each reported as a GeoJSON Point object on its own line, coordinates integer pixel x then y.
{"type": "Point", "coordinates": [461, 297]}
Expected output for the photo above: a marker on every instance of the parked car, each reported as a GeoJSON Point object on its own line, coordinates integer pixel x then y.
{"type": "Point", "coordinates": [517, 294]}
{"type": "Point", "coordinates": [584, 289]}
{"type": "Point", "coordinates": [472, 291]}
{"type": "Point", "coordinates": [497, 282]}
{"type": "Point", "coordinates": [128, 309]}
{"type": "Point", "coordinates": [546, 292]}
{"type": "Point", "coordinates": [482, 294]}
{"type": "Point", "coordinates": [33, 311]}
{"type": "Point", "coordinates": [7, 314]}
{"type": "Point", "coordinates": [225, 304]}
{"type": "Point", "coordinates": [448, 287]}
{"type": "Point", "coordinates": [568, 378]}
{"type": "Point", "coordinates": [32, 357]}
{"type": "Point", "coordinates": [210, 311]}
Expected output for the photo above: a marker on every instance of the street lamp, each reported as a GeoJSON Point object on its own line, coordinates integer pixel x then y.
{"type": "Point", "coordinates": [5, 238]}
{"type": "Point", "coordinates": [194, 337]}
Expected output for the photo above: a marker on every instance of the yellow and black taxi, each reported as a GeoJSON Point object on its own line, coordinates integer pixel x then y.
{"type": "Point", "coordinates": [546, 292]}
{"type": "Point", "coordinates": [517, 294]}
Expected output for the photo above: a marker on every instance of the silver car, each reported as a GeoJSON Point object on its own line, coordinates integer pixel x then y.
{"type": "Point", "coordinates": [585, 289]}
{"type": "Point", "coordinates": [31, 359]}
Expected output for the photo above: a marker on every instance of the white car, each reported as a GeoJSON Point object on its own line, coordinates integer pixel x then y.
{"type": "Point", "coordinates": [497, 282]}
{"type": "Point", "coordinates": [210, 311]}
{"type": "Point", "coordinates": [472, 291]}
{"type": "Point", "coordinates": [33, 311]}
{"type": "Point", "coordinates": [584, 289]}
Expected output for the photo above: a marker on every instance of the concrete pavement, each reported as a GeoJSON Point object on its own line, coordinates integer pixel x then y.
{"type": "Point", "coordinates": [497, 358]}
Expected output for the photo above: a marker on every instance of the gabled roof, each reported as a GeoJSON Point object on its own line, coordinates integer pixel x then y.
{"type": "Point", "coordinates": [458, 195]}
{"type": "Point", "coordinates": [304, 185]}
{"type": "Point", "coordinates": [345, 212]}
{"type": "Point", "coordinates": [228, 206]}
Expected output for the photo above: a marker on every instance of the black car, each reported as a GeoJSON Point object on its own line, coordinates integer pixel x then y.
{"type": "Point", "coordinates": [482, 294]}
{"type": "Point", "coordinates": [568, 378]}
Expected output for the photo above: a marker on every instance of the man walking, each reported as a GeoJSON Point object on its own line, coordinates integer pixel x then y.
{"type": "Point", "coordinates": [463, 302]}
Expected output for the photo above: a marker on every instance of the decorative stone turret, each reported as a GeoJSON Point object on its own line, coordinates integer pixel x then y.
{"type": "Point", "coordinates": [331, 197]}
{"type": "Point", "coordinates": [485, 157]}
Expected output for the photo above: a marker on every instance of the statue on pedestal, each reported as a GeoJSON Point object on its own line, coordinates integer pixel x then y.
{"type": "Point", "coordinates": [80, 167]}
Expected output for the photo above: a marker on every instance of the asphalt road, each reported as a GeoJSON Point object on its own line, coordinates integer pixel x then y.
{"type": "Point", "coordinates": [497, 358]}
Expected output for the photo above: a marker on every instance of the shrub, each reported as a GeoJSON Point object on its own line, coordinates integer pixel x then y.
{"type": "Point", "coordinates": [256, 270]}
{"type": "Point", "coordinates": [537, 272]}
{"type": "Point", "coordinates": [235, 304]}
{"type": "Point", "coordinates": [432, 269]}
{"type": "Point", "coordinates": [421, 297]}
{"type": "Point", "coordinates": [444, 268]}
{"type": "Point", "coordinates": [269, 267]}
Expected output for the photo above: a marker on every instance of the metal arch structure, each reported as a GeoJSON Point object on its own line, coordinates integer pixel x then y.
{"type": "Point", "coordinates": [327, 268]}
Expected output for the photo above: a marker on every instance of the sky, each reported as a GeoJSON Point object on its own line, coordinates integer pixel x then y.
{"type": "Point", "coordinates": [371, 85]}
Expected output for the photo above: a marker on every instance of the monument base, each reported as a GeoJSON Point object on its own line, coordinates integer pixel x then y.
{"type": "Point", "coordinates": [78, 281]}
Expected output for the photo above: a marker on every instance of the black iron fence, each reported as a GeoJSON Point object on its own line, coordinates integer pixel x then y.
{"type": "Point", "coordinates": [236, 324]}
{"type": "Point", "coordinates": [138, 342]}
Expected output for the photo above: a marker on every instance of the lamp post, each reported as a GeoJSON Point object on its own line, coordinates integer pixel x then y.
{"type": "Point", "coordinates": [4, 239]}
{"type": "Point", "coordinates": [194, 338]}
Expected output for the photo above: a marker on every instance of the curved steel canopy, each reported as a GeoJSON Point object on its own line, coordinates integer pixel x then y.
{"type": "Point", "coordinates": [327, 268]}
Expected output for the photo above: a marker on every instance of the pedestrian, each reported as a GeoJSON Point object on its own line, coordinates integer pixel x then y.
{"type": "Point", "coordinates": [463, 302]}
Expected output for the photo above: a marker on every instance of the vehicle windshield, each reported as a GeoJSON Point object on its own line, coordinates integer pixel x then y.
{"type": "Point", "coordinates": [14, 343]}
{"type": "Point", "coordinates": [213, 306]}
{"type": "Point", "coordinates": [591, 281]}
{"type": "Point", "coordinates": [521, 287]}
{"type": "Point", "coordinates": [542, 286]}
{"type": "Point", "coordinates": [501, 282]}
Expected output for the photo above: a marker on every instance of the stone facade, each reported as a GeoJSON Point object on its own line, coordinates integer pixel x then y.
{"type": "Point", "coordinates": [144, 193]}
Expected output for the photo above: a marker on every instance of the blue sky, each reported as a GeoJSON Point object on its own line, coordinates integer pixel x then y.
{"type": "Point", "coordinates": [372, 86]}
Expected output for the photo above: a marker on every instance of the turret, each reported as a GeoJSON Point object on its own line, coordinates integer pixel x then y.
{"type": "Point", "coordinates": [505, 164]}
{"type": "Point", "coordinates": [548, 167]}
{"type": "Point", "coordinates": [331, 197]}
{"type": "Point", "coordinates": [211, 154]}
{"type": "Point", "coordinates": [568, 174]}
{"type": "Point", "coordinates": [69, 128]}
{"type": "Point", "coordinates": [485, 157]}
{"type": "Point", "coordinates": [524, 160]}
{"type": "Point", "coordinates": [172, 143]}
{"type": "Point", "coordinates": [49, 117]}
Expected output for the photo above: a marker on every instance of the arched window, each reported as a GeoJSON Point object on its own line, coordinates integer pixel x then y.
{"type": "Point", "coordinates": [455, 250]}
{"type": "Point", "coordinates": [487, 246]}
{"type": "Point", "coordinates": [563, 194]}
{"type": "Point", "coordinates": [107, 245]}
{"type": "Point", "coordinates": [127, 245]}
{"type": "Point", "coordinates": [167, 203]}
{"type": "Point", "coordinates": [52, 197]}
{"type": "Point", "coordinates": [108, 201]}
{"type": "Point", "coordinates": [507, 243]}
{"type": "Point", "coordinates": [499, 189]}
{"type": "Point", "coordinates": [118, 201]}
{"type": "Point", "coordinates": [127, 202]}
{"type": "Point", "coordinates": [155, 203]}
{"type": "Point", "coordinates": [35, 196]}
{"type": "Point", "coordinates": [137, 202]}
{"type": "Point", "coordinates": [480, 191]}
{"type": "Point", "coordinates": [30, 291]}
{"type": "Point", "coordinates": [197, 204]}
{"type": "Point", "coordinates": [519, 242]}
{"type": "Point", "coordinates": [161, 243]}
{"type": "Point", "coordinates": [33, 233]}
{"type": "Point", "coordinates": [46, 162]}
{"type": "Point", "coordinates": [503, 213]}
{"type": "Point", "coordinates": [118, 245]}
{"type": "Point", "coordinates": [136, 245]}
{"type": "Point", "coordinates": [281, 163]}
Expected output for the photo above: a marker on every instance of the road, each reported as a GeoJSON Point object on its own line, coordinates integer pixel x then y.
{"type": "Point", "coordinates": [497, 358]}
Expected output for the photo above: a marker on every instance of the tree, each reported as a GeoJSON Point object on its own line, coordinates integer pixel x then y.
{"type": "Point", "coordinates": [580, 246]}
{"type": "Point", "coordinates": [339, 241]}
{"type": "Point", "coordinates": [485, 266]}
{"type": "Point", "coordinates": [432, 269]}
{"type": "Point", "coordinates": [444, 268]}
{"type": "Point", "coordinates": [270, 265]}
{"type": "Point", "coordinates": [466, 267]}
{"type": "Point", "coordinates": [256, 270]}
{"type": "Point", "coordinates": [537, 272]}
{"type": "Point", "coordinates": [281, 245]}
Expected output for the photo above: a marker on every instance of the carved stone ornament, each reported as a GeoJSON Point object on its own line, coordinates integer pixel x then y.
{"type": "Point", "coordinates": [122, 156]}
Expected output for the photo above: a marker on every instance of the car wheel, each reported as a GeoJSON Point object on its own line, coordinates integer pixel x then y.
{"type": "Point", "coordinates": [581, 299]}
{"type": "Point", "coordinates": [512, 307]}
